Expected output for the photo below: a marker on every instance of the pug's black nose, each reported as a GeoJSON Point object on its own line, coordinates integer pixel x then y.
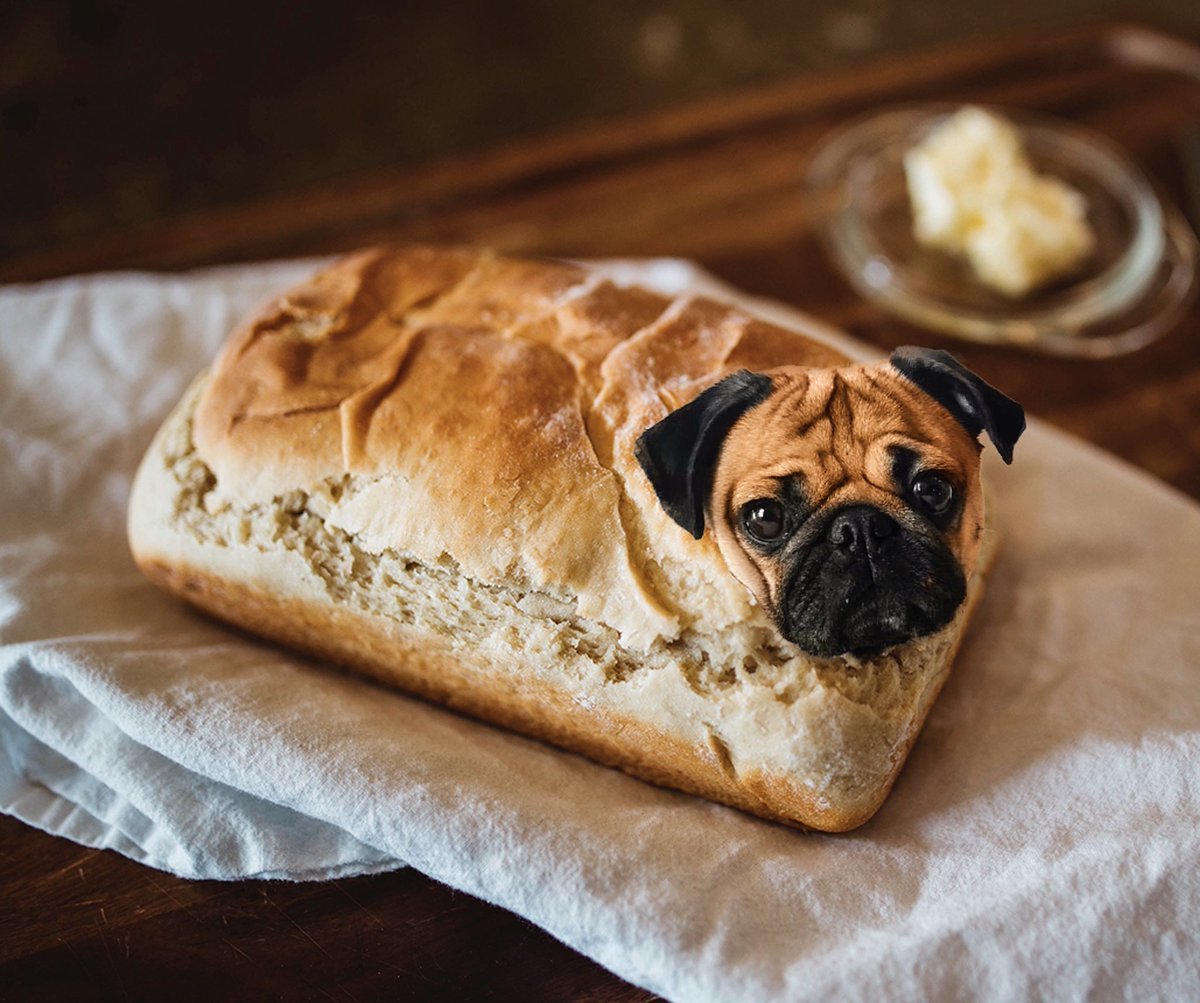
{"type": "Point", "coordinates": [861, 531]}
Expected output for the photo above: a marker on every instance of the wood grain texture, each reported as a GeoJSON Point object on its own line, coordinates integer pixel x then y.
{"type": "Point", "coordinates": [79, 924]}
{"type": "Point", "coordinates": [718, 182]}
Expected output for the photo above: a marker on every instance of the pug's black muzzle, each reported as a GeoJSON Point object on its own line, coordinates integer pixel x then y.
{"type": "Point", "coordinates": [863, 582]}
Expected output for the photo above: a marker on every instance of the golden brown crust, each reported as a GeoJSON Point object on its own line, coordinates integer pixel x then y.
{"type": "Point", "coordinates": [499, 389]}
{"type": "Point", "coordinates": [420, 465]}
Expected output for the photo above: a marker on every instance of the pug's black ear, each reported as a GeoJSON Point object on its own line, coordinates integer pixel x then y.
{"type": "Point", "coordinates": [977, 405]}
{"type": "Point", "coordinates": [679, 454]}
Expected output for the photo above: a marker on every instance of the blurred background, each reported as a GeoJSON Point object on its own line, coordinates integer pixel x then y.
{"type": "Point", "coordinates": [116, 115]}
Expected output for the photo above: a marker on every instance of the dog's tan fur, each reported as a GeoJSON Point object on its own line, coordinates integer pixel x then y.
{"type": "Point", "coordinates": [835, 429]}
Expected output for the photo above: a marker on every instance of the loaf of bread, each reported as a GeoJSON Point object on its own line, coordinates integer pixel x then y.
{"type": "Point", "coordinates": [420, 465]}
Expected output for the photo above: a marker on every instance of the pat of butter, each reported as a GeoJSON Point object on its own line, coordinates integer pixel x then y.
{"type": "Point", "coordinates": [974, 192]}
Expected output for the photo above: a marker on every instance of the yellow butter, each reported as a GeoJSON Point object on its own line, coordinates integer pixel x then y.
{"type": "Point", "coordinates": [974, 193]}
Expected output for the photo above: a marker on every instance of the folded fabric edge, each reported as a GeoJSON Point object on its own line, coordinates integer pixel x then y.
{"type": "Point", "coordinates": [30, 793]}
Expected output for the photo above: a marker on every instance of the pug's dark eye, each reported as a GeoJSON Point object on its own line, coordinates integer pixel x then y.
{"type": "Point", "coordinates": [764, 520]}
{"type": "Point", "coordinates": [934, 492]}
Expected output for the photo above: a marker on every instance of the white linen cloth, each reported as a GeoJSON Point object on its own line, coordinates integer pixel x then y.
{"type": "Point", "coordinates": [1041, 843]}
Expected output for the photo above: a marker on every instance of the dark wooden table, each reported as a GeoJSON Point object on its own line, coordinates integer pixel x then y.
{"type": "Point", "coordinates": [719, 183]}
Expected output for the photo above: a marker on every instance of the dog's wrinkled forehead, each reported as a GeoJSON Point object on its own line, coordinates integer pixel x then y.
{"type": "Point", "coordinates": [924, 395]}
{"type": "Point", "coordinates": [839, 428]}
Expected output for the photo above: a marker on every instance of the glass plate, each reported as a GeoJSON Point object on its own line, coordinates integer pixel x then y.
{"type": "Point", "coordinates": [1132, 288]}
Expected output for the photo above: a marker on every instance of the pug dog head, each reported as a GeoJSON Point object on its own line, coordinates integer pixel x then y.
{"type": "Point", "coordinates": [847, 500]}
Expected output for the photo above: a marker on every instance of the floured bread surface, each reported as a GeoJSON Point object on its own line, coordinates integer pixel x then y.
{"type": "Point", "coordinates": [420, 465]}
